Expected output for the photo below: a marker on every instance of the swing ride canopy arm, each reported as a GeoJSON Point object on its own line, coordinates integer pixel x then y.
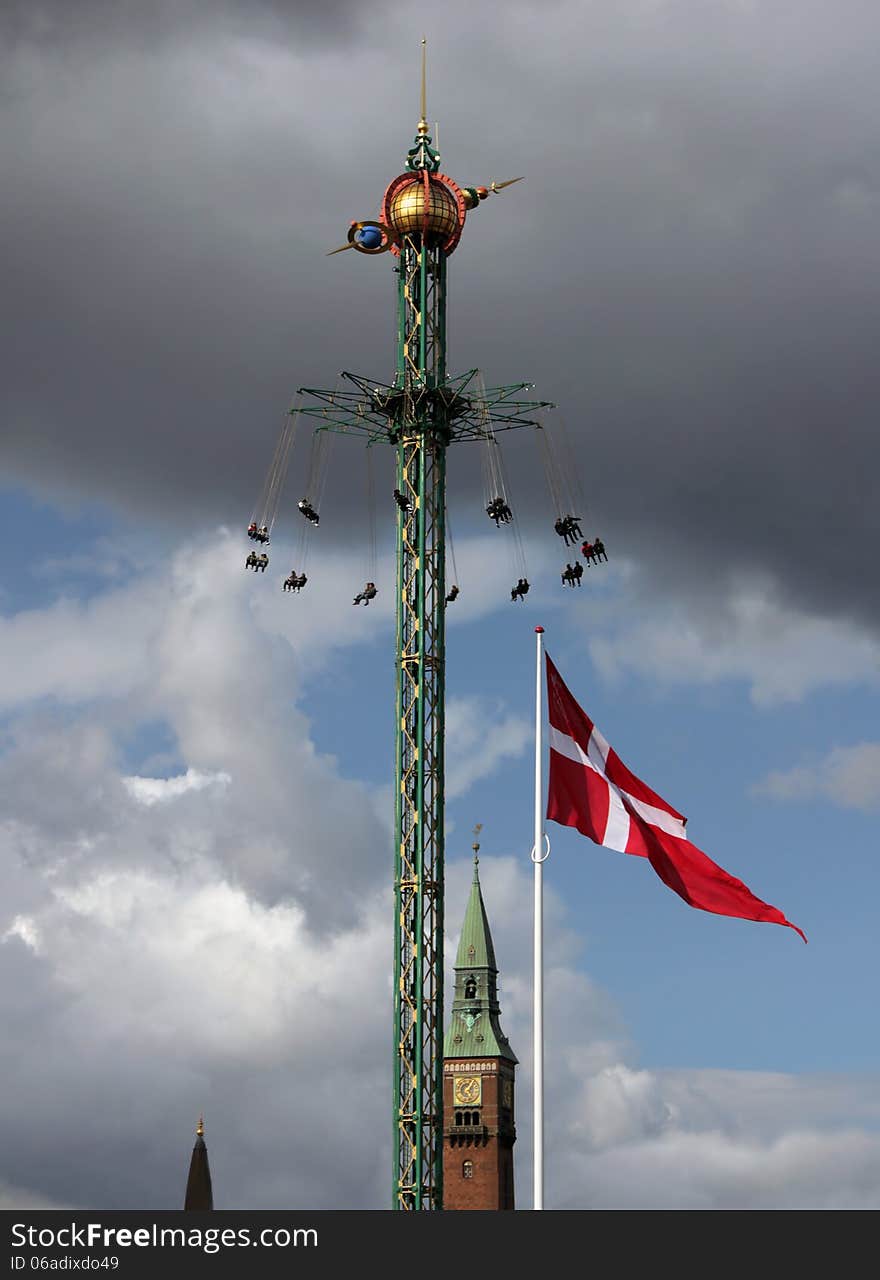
{"type": "Point", "coordinates": [455, 412]}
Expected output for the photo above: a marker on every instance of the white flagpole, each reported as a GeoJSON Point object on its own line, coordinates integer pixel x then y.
{"type": "Point", "coordinates": [538, 858]}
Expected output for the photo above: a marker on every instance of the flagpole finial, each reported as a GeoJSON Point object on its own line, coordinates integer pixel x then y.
{"type": "Point", "coordinates": [539, 631]}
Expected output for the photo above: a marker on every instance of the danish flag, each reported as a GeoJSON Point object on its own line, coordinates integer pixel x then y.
{"type": "Point", "coordinates": [591, 789]}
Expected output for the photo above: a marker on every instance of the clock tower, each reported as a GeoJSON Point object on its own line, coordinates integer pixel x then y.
{"type": "Point", "coordinates": [478, 1075]}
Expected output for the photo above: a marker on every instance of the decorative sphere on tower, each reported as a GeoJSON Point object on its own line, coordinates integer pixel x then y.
{"type": "Point", "coordinates": [432, 214]}
{"type": "Point", "coordinates": [429, 205]}
{"type": "Point", "coordinates": [370, 237]}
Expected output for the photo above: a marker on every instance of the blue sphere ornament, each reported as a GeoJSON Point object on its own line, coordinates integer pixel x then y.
{"type": "Point", "coordinates": [369, 237]}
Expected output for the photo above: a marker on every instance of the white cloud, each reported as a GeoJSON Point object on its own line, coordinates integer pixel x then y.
{"type": "Point", "coordinates": [163, 995]}
{"type": "Point", "coordinates": [218, 940]}
{"type": "Point", "coordinates": [848, 776]}
{"type": "Point", "coordinates": [619, 1104]}
{"type": "Point", "coordinates": [23, 928]}
{"type": "Point", "coordinates": [157, 790]}
{"type": "Point", "coordinates": [148, 952]}
{"type": "Point", "coordinates": [73, 651]}
{"type": "Point", "coordinates": [700, 1139]}
{"type": "Point", "coordinates": [479, 737]}
{"type": "Point", "coordinates": [804, 1169]}
{"type": "Point", "coordinates": [781, 652]}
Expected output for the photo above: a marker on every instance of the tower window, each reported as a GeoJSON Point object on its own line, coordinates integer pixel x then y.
{"type": "Point", "coordinates": [470, 988]}
{"type": "Point", "coordinates": [467, 1118]}
{"type": "Point", "coordinates": [467, 1169]}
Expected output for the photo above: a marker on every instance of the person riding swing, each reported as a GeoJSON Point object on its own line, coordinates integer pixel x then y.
{"type": "Point", "coordinates": [499, 511]}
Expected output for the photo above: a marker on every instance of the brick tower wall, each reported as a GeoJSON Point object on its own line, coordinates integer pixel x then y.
{"type": "Point", "coordinates": [487, 1145]}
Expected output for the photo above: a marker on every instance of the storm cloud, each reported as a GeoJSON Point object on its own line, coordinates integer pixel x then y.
{"type": "Point", "coordinates": [690, 271]}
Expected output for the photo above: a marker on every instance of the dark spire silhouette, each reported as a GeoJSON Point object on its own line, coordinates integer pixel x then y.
{"type": "Point", "coordinates": [198, 1185]}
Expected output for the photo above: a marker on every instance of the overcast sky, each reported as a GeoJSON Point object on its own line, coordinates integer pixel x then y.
{"type": "Point", "coordinates": [196, 768]}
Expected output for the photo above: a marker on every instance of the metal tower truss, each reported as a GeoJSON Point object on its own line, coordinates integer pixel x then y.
{"type": "Point", "coordinates": [420, 413]}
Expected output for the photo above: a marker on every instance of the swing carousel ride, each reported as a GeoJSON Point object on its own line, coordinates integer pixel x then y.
{"type": "Point", "coordinates": [420, 414]}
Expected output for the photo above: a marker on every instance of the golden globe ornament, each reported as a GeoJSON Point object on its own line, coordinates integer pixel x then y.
{"type": "Point", "coordinates": [432, 214]}
{"type": "Point", "coordinates": [430, 206]}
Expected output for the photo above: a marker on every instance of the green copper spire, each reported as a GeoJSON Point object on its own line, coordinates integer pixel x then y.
{"type": "Point", "coordinates": [474, 1029]}
{"type": "Point", "coordinates": [475, 947]}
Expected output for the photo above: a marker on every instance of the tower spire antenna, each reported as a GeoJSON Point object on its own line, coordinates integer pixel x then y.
{"type": "Point", "coordinates": [476, 848]}
{"type": "Point", "coordinates": [423, 117]}
{"type": "Point", "coordinates": [422, 155]}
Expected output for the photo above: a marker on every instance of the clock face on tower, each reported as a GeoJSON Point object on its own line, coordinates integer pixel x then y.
{"type": "Point", "coordinates": [467, 1091]}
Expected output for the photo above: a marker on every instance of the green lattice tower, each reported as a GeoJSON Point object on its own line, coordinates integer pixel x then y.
{"type": "Point", "coordinates": [421, 647]}
{"type": "Point", "coordinates": [420, 413]}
